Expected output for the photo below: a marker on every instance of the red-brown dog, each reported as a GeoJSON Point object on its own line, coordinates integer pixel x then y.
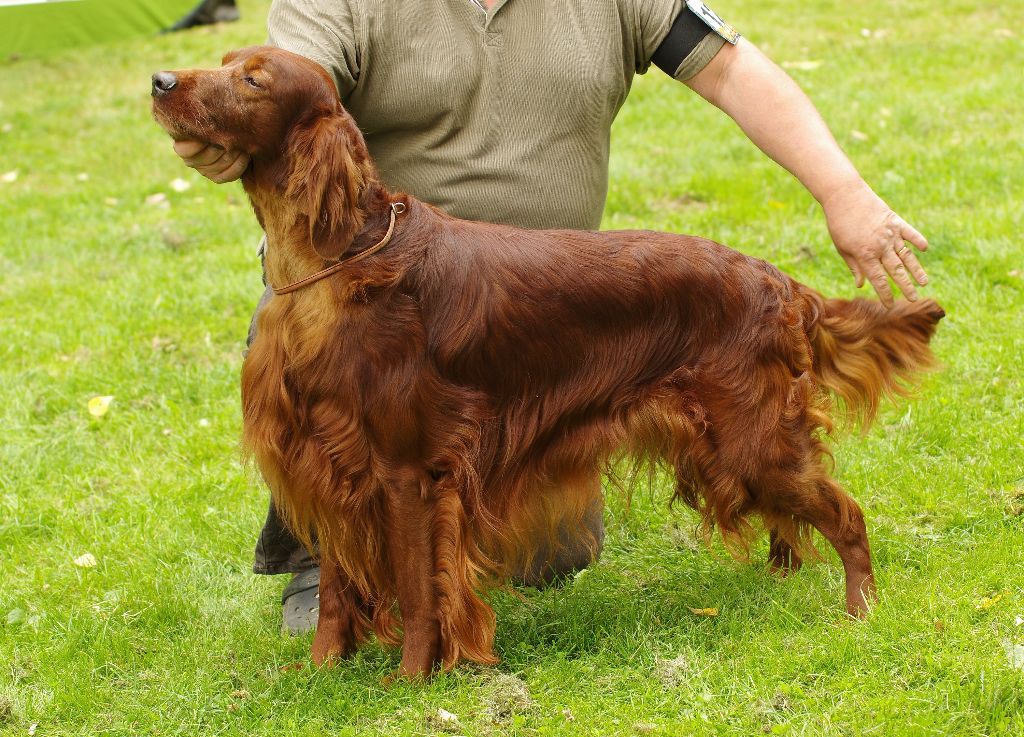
{"type": "Point", "coordinates": [440, 397]}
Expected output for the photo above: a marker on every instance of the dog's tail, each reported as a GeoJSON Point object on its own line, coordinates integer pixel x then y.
{"type": "Point", "coordinates": [863, 351]}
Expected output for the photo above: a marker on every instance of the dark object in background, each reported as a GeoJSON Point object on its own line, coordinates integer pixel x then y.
{"type": "Point", "coordinates": [206, 13]}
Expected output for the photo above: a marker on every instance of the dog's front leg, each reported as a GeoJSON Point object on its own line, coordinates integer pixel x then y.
{"type": "Point", "coordinates": [344, 618]}
{"type": "Point", "coordinates": [411, 558]}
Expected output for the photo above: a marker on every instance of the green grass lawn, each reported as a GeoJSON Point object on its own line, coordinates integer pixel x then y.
{"type": "Point", "coordinates": [114, 283]}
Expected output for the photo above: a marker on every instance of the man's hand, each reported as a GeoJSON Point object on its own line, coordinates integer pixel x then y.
{"type": "Point", "coordinates": [872, 238]}
{"type": "Point", "coordinates": [212, 161]}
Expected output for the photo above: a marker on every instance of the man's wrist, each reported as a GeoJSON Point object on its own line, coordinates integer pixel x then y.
{"type": "Point", "coordinates": [841, 189]}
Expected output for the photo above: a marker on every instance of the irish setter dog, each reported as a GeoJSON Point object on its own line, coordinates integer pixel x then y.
{"type": "Point", "coordinates": [441, 400]}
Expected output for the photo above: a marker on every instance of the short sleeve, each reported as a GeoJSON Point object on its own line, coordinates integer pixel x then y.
{"type": "Point", "coordinates": [652, 21]}
{"type": "Point", "coordinates": [322, 31]}
{"type": "Point", "coordinates": [700, 57]}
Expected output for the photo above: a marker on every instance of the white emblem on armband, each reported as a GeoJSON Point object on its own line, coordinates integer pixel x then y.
{"type": "Point", "coordinates": [713, 21]}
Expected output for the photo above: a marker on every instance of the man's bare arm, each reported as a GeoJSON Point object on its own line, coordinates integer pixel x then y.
{"type": "Point", "coordinates": [779, 118]}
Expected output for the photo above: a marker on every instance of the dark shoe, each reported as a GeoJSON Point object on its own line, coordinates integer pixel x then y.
{"type": "Point", "coordinates": [576, 551]}
{"type": "Point", "coordinates": [301, 603]}
{"type": "Point", "coordinates": [206, 13]}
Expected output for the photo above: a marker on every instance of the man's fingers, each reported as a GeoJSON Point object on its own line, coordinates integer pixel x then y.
{"type": "Point", "coordinates": [899, 274]}
{"type": "Point", "coordinates": [858, 276]}
{"type": "Point", "coordinates": [909, 233]}
{"type": "Point", "coordinates": [876, 275]}
{"type": "Point", "coordinates": [913, 265]}
{"type": "Point", "coordinates": [198, 153]}
{"type": "Point", "coordinates": [212, 161]}
{"type": "Point", "coordinates": [188, 149]}
{"type": "Point", "coordinates": [208, 157]}
{"type": "Point", "coordinates": [233, 168]}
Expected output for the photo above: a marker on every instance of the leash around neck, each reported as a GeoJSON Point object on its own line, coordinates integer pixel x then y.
{"type": "Point", "coordinates": [397, 208]}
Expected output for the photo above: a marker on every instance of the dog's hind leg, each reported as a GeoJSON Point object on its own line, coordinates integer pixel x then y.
{"type": "Point", "coordinates": [840, 519]}
{"type": "Point", "coordinates": [344, 617]}
{"type": "Point", "coordinates": [778, 454]}
{"type": "Point", "coordinates": [781, 555]}
{"type": "Point", "coordinates": [818, 501]}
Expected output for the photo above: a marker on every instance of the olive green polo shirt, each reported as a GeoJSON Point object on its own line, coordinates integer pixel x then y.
{"type": "Point", "coordinates": [502, 116]}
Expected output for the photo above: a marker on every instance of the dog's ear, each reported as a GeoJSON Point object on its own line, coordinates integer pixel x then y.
{"type": "Point", "coordinates": [329, 171]}
{"type": "Point", "coordinates": [237, 54]}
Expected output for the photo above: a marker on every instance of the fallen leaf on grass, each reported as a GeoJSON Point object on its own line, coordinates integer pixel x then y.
{"type": "Point", "coordinates": [707, 612]}
{"type": "Point", "coordinates": [507, 697]}
{"type": "Point", "coordinates": [158, 200]}
{"type": "Point", "coordinates": [160, 343]}
{"type": "Point", "coordinates": [173, 239]}
{"type": "Point", "coordinates": [9, 177]}
{"type": "Point", "coordinates": [240, 693]}
{"type": "Point", "coordinates": [1004, 33]}
{"type": "Point", "coordinates": [987, 602]}
{"type": "Point", "coordinates": [805, 65]}
{"type": "Point", "coordinates": [805, 253]}
{"type": "Point", "coordinates": [6, 128]}
{"type": "Point", "coordinates": [86, 560]}
{"type": "Point", "coordinates": [443, 720]}
{"type": "Point", "coordinates": [98, 406]}
{"type": "Point", "coordinates": [674, 672]}
{"type": "Point", "coordinates": [16, 616]}
{"type": "Point", "coordinates": [858, 135]}
{"type": "Point", "coordinates": [291, 667]}
{"type": "Point", "coordinates": [1014, 653]}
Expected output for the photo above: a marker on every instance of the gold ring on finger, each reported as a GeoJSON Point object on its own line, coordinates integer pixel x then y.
{"type": "Point", "coordinates": [902, 252]}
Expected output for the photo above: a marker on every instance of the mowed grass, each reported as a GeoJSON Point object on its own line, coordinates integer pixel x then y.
{"type": "Point", "coordinates": [102, 293]}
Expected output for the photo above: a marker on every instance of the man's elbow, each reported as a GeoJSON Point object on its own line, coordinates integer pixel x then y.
{"type": "Point", "coordinates": [712, 82]}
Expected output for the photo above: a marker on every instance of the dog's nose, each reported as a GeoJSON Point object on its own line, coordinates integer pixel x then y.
{"type": "Point", "coordinates": [164, 82]}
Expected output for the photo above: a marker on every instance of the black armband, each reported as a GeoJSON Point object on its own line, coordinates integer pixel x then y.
{"type": "Point", "coordinates": [693, 24]}
{"type": "Point", "coordinates": [686, 32]}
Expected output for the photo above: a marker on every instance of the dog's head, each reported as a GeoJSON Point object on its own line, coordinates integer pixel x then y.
{"type": "Point", "coordinates": [283, 110]}
{"type": "Point", "coordinates": [247, 104]}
